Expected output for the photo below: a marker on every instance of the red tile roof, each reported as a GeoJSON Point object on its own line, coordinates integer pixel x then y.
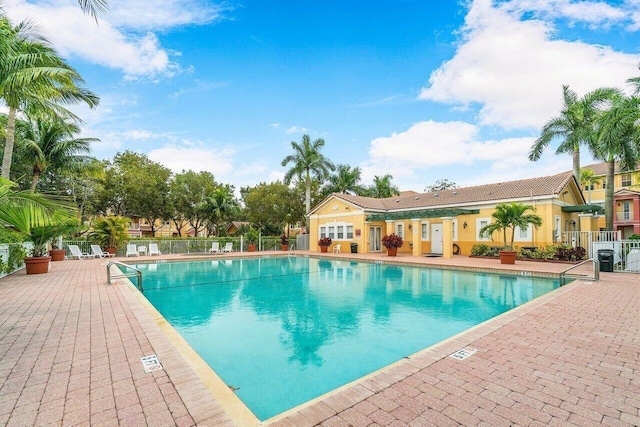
{"type": "Point", "coordinates": [504, 191]}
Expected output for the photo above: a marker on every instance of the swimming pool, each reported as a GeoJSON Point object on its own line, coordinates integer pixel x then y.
{"type": "Point", "coordinates": [282, 331]}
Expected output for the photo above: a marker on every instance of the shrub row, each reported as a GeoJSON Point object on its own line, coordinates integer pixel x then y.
{"type": "Point", "coordinates": [558, 252]}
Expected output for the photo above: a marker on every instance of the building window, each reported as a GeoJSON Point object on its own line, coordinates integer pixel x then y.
{"type": "Point", "coordinates": [424, 230]}
{"type": "Point", "coordinates": [336, 231]}
{"type": "Point", "coordinates": [626, 180]}
{"type": "Point", "coordinates": [523, 234]}
{"type": "Point", "coordinates": [589, 187]}
{"type": "Point", "coordinates": [400, 229]}
{"type": "Point", "coordinates": [482, 222]}
{"type": "Point", "coordinates": [604, 183]}
{"type": "Point", "coordinates": [349, 232]}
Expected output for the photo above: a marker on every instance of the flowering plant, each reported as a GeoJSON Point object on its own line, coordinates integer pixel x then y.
{"type": "Point", "coordinates": [325, 241]}
{"type": "Point", "coordinates": [392, 241]}
{"type": "Point", "coordinates": [284, 239]}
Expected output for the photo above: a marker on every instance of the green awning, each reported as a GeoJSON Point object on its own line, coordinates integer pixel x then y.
{"type": "Point", "coordinates": [424, 213]}
{"type": "Point", "coordinates": [583, 208]}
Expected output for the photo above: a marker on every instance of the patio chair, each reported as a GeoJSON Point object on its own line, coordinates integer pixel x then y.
{"type": "Point", "coordinates": [97, 251]}
{"type": "Point", "coordinates": [337, 248]}
{"type": "Point", "coordinates": [153, 249]}
{"type": "Point", "coordinates": [215, 247]}
{"type": "Point", "coordinates": [77, 253]}
{"type": "Point", "coordinates": [228, 247]}
{"type": "Point", "coordinates": [132, 250]}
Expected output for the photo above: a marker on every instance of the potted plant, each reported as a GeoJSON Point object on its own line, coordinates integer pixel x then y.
{"type": "Point", "coordinates": [56, 253]}
{"type": "Point", "coordinates": [252, 236]}
{"type": "Point", "coordinates": [35, 218]}
{"type": "Point", "coordinates": [284, 242]}
{"type": "Point", "coordinates": [110, 231]}
{"type": "Point", "coordinates": [509, 216]}
{"type": "Point", "coordinates": [324, 244]}
{"type": "Point", "coordinates": [392, 242]}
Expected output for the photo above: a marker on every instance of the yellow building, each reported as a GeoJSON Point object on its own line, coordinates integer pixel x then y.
{"type": "Point", "coordinates": [626, 198]}
{"type": "Point", "coordinates": [448, 222]}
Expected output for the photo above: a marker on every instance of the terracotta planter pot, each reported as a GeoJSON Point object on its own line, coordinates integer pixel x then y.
{"type": "Point", "coordinates": [392, 251]}
{"type": "Point", "coordinates": [251, 248]}
{"type": "Point", "coordinates": [507, 257]}
{"type": "Point", "coordinates": [57, 254]}
{"type": "Point", "coordinates": [284, 247]}
{"type": "Point", "coordinates": [324, 248]}
{"type": "Point", "coordinates": [111, 250]}
{"type": "Point", "coordinates": [37, 265]}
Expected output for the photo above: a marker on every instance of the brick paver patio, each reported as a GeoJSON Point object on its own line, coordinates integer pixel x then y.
{"type": "Point", "coordinates": [70, 349]}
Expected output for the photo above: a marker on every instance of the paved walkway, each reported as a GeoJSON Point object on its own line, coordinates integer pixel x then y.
{"type": "Point", "coordinates": [70, 349]}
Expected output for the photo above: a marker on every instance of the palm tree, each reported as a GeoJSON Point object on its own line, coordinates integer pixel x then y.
{"type": "Point", "coordinates": [382, 187]}
{"type": "Point", "coordinates": [574, 125]}
{"type": "Point", "coordinates": [509, 216]}
{"type": "Point", "coordinates": [588, 178]}
{"type": "Point", "coordinates": [93, 7]}
{"type": "Point", "coordinates": [617, 140]}
{"type": "Point", "coordinates": [219, 206]}
{"type": "Point", "coordinates": [33, 77]}
{"type": "Point", "coordinates": [307, 161]}
{"type": "Point", "coordinates": [346, 180]}
{"type": "Point", "coordinates": [50, 144]}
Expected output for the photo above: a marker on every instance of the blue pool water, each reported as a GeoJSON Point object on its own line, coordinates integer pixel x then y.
{"type": "Point", "coordinates": [282, 331]}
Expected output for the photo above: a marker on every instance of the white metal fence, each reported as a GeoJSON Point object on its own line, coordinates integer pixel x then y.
{"type": "Point", "coordinates": [608, 247]}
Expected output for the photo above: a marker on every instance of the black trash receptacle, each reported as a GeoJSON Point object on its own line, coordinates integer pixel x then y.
{"type": "Point", "coordinates": [354, 248]}
{"type": "Point", "coordinates": [605, 257]}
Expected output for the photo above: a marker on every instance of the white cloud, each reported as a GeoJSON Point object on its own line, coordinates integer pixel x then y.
{"type": "Point", "coordinates": [122, 39]}
{"type": "Point", "coordinates": [178, 158]}
{"type": "Point", "coordinates": [591, 12]}
{"type": "Point", "coordinates": [515, 70]}
{"type": "Point", "coordinates": [295, 129]}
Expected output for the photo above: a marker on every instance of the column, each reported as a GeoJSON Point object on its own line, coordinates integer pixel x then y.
{"type": "Point", "coordinates": [416, 236]}
{"type": "Point", "coordinates": [447, 237]}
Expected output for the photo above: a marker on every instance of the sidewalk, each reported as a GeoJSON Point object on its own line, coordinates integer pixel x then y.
{"type": "Point", "coordinates": [70, 349]}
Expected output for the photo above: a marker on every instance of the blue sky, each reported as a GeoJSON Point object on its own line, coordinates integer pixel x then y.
{"type": "Point", "coordinates": [423, 90]}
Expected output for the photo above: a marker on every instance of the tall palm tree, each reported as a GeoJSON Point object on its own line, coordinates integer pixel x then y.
{"type": "Point", "coordinates": [346, 180]}
{"type": "Point", "coordinates": [382, 187]}
{"type": "Point", "coordinates": [50, 144]}
{"type": "Point", "coordinates": [617, 140]}
{"type": "Point", "coordinates": [33, 77]}
{"type": "Point", "coordinates": [574, 125]}
{"type": "Point", "coordinates": [588, 178]}
{"type": "Point", "coordinates": [93, 7]}
{"type": "Point", "coordinates": [307, 161]}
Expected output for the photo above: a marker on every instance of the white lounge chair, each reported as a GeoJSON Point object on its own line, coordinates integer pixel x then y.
{"type": "Point", "coordinates": [132, 250]}
{"type": "Point", "coordinates": [153, 249]}
{"type": "Point", "coordinates": [228, 247]}
{"type": "Point", "coordinates": [77, 253]}
{"type": "Point", "coordinates": [97, 251]}
{"type": "Point", "coordinates": [215, 247]}
{"type": "Point", "coordinates": [337, 248]}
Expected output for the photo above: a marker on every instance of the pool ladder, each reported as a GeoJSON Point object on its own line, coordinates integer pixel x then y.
{"type": "Point", "coordinates": [137, 273]}
{"type": "Point", "coordinates": [596, 272]}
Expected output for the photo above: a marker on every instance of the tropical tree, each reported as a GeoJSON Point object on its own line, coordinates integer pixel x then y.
{"type": "Point", "coordinates": [441, 184]}
{"type": "Point", "coordinates": [382, 187]}
{"type": "Point", "coordinates": [617, 140]}
{"type": "Point", "coordinates": [588, 178]}
{"type": "Point", "coordinates": [509, 216]}
{"type": "Point", "coordinates": [307, 162]}
{"type": "Point", "coordinates": [34, 78]}
{"type": "Point", "coordinates": [50, 143]}
{"type": "Point", "coordinates": [187, 194]}
{"type": "Point", "coordinates": [220, 206]}
{"type": "Point", "coordinates": [346, 180]}
{"type": "Point", "coordinates": [93, 7]}
{"type": "Point", "coordinates": [272, 206]}
{"type": "Point", "coordinates": [574, 125]}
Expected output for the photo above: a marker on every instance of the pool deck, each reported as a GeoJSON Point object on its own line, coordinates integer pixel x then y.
{"type": "Point", "coordinates": [70, 349]}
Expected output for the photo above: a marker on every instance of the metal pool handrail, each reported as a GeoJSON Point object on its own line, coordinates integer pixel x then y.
{"type": "Point", "coordinates": [137, 273]}
{"type": "Point", "coordinates": [596, 271]}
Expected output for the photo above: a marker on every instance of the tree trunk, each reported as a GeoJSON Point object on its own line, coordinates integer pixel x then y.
{"type": "Point", "coordinates": [34, 181]}
{"type": "Point", "coordinates": [9, 142]}
{"type": "Point", "coordinates": [576, 164]}
{"type": "Point", "coordinates": [608, 195]}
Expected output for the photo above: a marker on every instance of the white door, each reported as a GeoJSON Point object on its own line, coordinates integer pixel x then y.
{"type": "Point", "coordinates": [375, 239]}
{"type": "Point", "coordinates": [436, 238]}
